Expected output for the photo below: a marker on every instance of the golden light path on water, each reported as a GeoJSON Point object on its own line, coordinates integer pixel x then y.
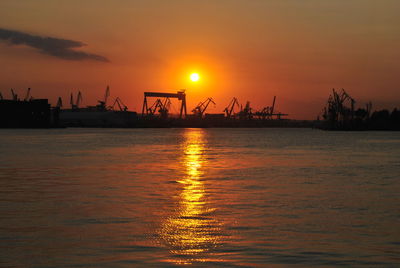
{"type": "Point", "coordinates": [193, 232]}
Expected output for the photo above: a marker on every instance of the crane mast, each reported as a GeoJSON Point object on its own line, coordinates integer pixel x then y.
{"type": "Point", "coordinates": [106, 95]}
{"type": "Point", "coordinates": [59, 102]}
{"type": "Point", "coordinates": [71, 101]}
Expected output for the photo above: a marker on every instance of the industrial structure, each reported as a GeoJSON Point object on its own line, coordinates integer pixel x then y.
{"type": "Point", "coordinates": [340, 113]}
{"type": "Point", "coordinates": [201, 108]}
{"type": "Point", "coordinates": [156, 112]}
{"type": "Point", "coordinates": [100, 115]}
{"type": "Point", "coordinates": [26, 113]}
{"type": "Point", "coordinates": [161, 105]}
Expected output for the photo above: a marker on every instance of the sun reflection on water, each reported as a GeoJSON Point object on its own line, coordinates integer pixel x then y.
{"type": "Point", "coordinates": [193, 232]}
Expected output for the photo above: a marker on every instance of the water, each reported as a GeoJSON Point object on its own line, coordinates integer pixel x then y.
{"type": "Point", "coordinates": [205, 197]}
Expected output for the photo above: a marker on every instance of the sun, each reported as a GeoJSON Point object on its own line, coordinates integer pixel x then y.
{"type": "Point", "coordinates": [195, 77]}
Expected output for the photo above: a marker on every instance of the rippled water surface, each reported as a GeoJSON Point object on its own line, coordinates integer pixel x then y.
{"type": "Point", "coordinates": [205, 197]}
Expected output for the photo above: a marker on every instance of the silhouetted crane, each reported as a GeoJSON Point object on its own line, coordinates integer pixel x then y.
{"type": "Point", "coordinates": [14, 95]}
{"type": "Point", "coordinates": [59, 103]}
{"type": "Point", "coordinates": [336, 110]}
{"type": "Point", "coordinates": [202, 107]}
{"type": "Point", "coordinates": [267, 112]}
{"type": "Point", "coordinates": [122, 107]}
{"type": "Point", "coordinates": [153, 108]}
{"type": "Point", "coordinates": [180, 95]}
{"type": "Point", "coordinates": [78, 101]}
{"type": "Point", "coordinates": [231, 106]}
{"type": "Point", "coordinates": [163, 108]}
{"type": "Point", "coordinates": [245, 113]}
{"type": "Point", "coordinates": [28, 93]}
{"type": "Point", "coordinates": [103, 103]}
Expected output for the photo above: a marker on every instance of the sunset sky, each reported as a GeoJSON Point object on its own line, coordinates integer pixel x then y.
{"type": "Point", "coordinates": [249, 49]}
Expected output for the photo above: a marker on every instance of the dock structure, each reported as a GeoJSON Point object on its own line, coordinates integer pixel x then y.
{"type": "Point", "coordinates": [35, 113]}
{"type": "Point", "coordinates": [180, 95]}
{"type": "Point", "coordinates": [31, 112]}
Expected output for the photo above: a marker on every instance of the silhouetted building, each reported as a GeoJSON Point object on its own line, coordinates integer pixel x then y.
{"type": "Point", "coordinates": [25, 114]}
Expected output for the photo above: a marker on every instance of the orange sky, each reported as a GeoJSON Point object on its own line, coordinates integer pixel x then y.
{"type": "Point", "coordinates": [297, 50]}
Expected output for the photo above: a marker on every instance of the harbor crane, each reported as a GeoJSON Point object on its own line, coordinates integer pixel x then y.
{"type": "Point", "coordinates": [153, 108]}
{"type": "Point", "coordinates": [162, 107]}
{"type": "Point", "coordinates": [122, 107]}
{"type": "Point", "coordinates": [202, 107]}
{"type": "Point", "coordinates": [345, 97]}
{"type": "Point", "coordinates": [59, 103]}
{"type": "Point", "coordinates": [28, 94]}
{"type": "Point", "coordinates": [14, 95]}
{"type": "Point", "coordinates": [78, 101]}
{"type": "Point", "coordinates": [245, 113]}
{"type": "Point", "coordinates": [267, 112]}
{"type": "Point", "coordinates": [180, 95]}
{"type": "Point", "coordinates": [336, 110]}
{"type": "Point", "coordinates": [231, 106]}
{"type": "Point", "coordinates": [102, 103]}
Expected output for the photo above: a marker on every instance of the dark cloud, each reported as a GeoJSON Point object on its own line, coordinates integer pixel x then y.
{"type": "Point", "coordinates": [60, 48]}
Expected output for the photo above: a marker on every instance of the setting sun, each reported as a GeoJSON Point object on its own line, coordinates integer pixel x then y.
{"type": "Point", "coordinates": [194, 77]}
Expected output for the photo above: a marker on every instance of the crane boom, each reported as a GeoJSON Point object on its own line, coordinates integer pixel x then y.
{"type": "Point", "coordinates": [28, 92]}
{"type": "Point", "coordinates": [121, 105]}
{"type": "Point", "coordinates": [273, 106]}
{"type": "Point", "coordinates": [202, 107]}
{"type": "Point", "coordinates": [78, 99]}
{"type": "Point", "coordinates": [15, 96]}
{"type": "Point", "coordinates": [231, 106]}
{"type": "Point", "coordinates": [208, 103]}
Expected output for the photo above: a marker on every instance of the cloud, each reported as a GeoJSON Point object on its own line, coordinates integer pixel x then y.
{"type": "Point", "coordinates": [60, 48]}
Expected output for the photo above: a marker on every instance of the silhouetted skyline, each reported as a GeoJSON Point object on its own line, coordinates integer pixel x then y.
{"type": "Point", "coordinates": [252, 50]}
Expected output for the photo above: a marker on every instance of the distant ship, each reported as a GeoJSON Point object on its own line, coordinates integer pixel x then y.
{"type": "Point", "coordinates": [116, 115]}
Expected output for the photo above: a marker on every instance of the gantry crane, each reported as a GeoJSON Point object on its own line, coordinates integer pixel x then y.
{"type": "Point", "coordinates": [162, 107]}
{"type": "Point", "coordinates": [202, 107]}
{"type": "Point", "coordinates": [180, 95]}
{"type": "Point", "coordinates": [231, 106]}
